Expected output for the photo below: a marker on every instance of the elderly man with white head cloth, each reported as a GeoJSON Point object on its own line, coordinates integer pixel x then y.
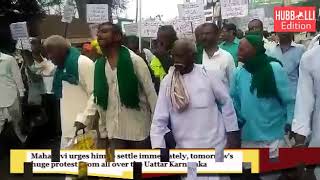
{"type": "Point", "coordinates": [189, 96]}
{"type": "Point", "coordinates": [72, 84]}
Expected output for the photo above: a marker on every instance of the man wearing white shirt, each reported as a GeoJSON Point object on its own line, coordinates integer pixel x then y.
{"type": "Point", "coordinates": [39, 61]}
{"type": "Point", "coordinates": [72, 84]}
{"type": "Point", "coordinates": [45, 68]}
{"type": "Point", "coordinates": [188, 99]}
{"type": "Point", "coordinates": [213, 57]}
{"type": "Point", "coordinates": [123, 95]}
{"type": "Point", "coordinates": [306, 121]}
{"type": "Point", "coordinates": [314, 42]}
{"type": "Point", "coordinates": [12, 90]}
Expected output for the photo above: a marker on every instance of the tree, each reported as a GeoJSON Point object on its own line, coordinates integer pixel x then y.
{"type": "Point", "coordinates": [25, 9]}
{"type": "Point", "coordinates": [51, 6]}
{"type": "Point", "coordinates": [114, 5]}
{"type": "Point", "coordinates": [16, 11]}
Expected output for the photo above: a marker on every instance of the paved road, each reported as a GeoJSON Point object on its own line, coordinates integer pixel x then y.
{"type": "Point", "coordinates": [38, 140]}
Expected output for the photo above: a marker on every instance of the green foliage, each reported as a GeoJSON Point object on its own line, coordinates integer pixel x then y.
{"type": "Point", "coordinates": [48, 3]}
{"type": "Point", "coordinates": [16, 11]}
{"type": "Point", "coordinates": [24, 8]}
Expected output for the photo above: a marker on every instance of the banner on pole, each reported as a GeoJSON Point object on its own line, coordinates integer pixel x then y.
{"type": "Point", "coordinates": [192, 12]}
{"type": "Point", "coordinates": [131, 29]}
{"type": "Point", "coordinates": [97, 13]}
{"type": "Point", "coordinates": [149, 28]}
{"type": "Point", "coordinates": [182, 27]}
{"type": "Point", "coordinates": [217, 10]}
{"type": "Point", "coordinates": [19, 30]}
{"type": "Point", "coordinates": [68, 12]}
{"type": "Point", "coordinates": [234, 8]}
{"type": "Point", "coordinates": [23, 44]}
{"type": "Point", "coordinates": [257, 13]}
{"type": "Point", "coordinates": [242, 23]}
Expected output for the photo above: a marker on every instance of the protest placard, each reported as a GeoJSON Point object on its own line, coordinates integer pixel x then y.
{"type": "Point", "coordinates": [23, 44]}
{"type": "Point", "coordinates": [97, 13]}
{"type": "Point", "coordinates": [192, 12]}
{"type": "Point", "coordinates": [234, 8]}
{"type": "Point", "coordinates": [257, 13]}
{"type": "Point", "coordinates": [19, 30]}
{"type": "Point", "coordinates": [149, 28]}
{"type": "Point", "coordinates": [68, 12]}
{"type": "Point", "coordinates": [182, 27]}
{"type": "Point", "coordinates": [242, 23]}
{"type": "Point", "coordinates": [263, 2]}
{"type": "Point", "coordinates": [131, 29]}
{"type": "Point", "coordinates": [217, 10]}
{"type": "Point", "coordinates": [268, 24]}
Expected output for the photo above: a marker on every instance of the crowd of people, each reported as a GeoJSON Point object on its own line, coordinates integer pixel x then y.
{"type": "Point", "coordinates": [217, 91]}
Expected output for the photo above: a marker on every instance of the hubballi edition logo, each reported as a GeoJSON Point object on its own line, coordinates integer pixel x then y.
{"type": "Point", "coordinates": [294, 19]}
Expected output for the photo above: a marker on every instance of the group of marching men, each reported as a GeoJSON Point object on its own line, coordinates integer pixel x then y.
{"type": "Point", "coordinates": [239, 93]}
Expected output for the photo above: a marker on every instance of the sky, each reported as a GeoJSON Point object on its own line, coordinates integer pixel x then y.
{"type": "Point", "coordinates": [167, 8]}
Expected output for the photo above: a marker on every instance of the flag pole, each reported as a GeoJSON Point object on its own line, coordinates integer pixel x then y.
{"type": "Point", "coordinates": [137, 10]}
{"type": "Point", "coordinates": [140, 25]}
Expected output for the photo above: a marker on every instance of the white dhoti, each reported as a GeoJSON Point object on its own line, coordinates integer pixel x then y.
{"type": "Point", "coordinates": [12, 114]}
{"type": "Point", "coordinates": [73, 103]}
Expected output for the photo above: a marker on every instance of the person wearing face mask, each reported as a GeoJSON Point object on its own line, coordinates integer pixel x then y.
{"type": "Point", "coordinates": [188, 98]}
{"type": "Point", "coordinates": [263, 98]}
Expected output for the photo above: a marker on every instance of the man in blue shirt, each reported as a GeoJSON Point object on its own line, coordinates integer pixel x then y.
{"type": "Point", "coordinates": [289, 54]}
{"type": "Point", "coordinates": [262, 97]}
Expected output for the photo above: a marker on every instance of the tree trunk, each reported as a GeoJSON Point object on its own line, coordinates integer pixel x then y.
{"type": "Point", "coordinates": [137, 10]}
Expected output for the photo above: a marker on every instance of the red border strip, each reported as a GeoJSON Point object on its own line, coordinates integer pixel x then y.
{"type": "Point", "coordinates": [289, 158]}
